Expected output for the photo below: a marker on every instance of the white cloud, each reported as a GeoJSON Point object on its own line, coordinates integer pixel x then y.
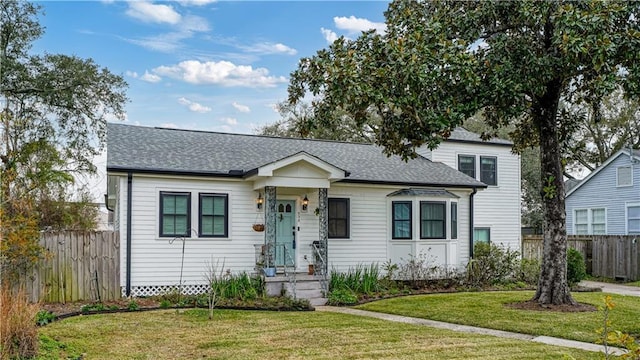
{"type": "Point", "coordinates": [353, 24]}
{"type": "Point", "coordinates": [195, 2]}
{"type": "Point", "coordinates": [132, 74]}
{"type": "Point", "coordinates": [156, 13]}
{"type": "Point", "coordinates": [194, 106]}
{"type": "Point", "coordinates": [329, 35]}
{"type": "Point", "coordinates": [229, 121]}
{"type": "Point", "coordinates": [241, 108]}
{"type": "Point", "coordinates": [169, 125]}
{"type": "Point", "coordinates": [270, 48]}
{"type": "Point", "coordinates": [222, 73]}
{"type": "Point", "coordinates": [149, 77]}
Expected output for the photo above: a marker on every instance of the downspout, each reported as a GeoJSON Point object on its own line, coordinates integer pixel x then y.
{"type": "Point", "coordinates": [129, 206]}
{"type": "Point", "coordinates": [475, 190]}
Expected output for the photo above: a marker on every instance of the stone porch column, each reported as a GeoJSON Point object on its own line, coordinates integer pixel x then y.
{"type": "Point", "coordinates": [323, 218]}
{"type": "Point", "coordinates": [270, 225]}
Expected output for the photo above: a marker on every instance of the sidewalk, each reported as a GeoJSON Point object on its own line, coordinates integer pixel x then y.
{"type": "Point", "coordinates": [613, 288]}
{"type": "Point", "coordinates": [472, 329]}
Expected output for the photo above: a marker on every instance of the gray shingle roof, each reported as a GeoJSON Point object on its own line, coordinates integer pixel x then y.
{"type": "Point", "coordinates": [461, 134]}
{"type": "Point", "coordinates": [146, 149]}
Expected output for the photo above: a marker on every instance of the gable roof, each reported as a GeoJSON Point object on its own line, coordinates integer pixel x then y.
{"type": "Point", "coordinates": [188, 152]}
{"type": "Point", "coordinates": [462, 135]}
{"type": "Point", "coordinates": [633, 153]}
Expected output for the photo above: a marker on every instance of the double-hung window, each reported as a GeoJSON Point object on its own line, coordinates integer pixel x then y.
{"type": "Point", "coordinates": [467, 165]}
{"type": "Point", "coordinates": [590, 221]}
{"type": "Point", "coordinates": [213, 215]}
{"type": "Point", "coordinates": [489, 170]}
{"type": "Point", "coordinates": [175, 214]}
{"type": "Point", "coordinates": [338, 218]}
{"type": "Point", "coordinates": [432, 220]}
{"type": "Point", "coordinates": [633, 219]}
{"type": "Point", "coordinates": [401, 220]}
{"type": "Point", "coordinates": [624, 176]}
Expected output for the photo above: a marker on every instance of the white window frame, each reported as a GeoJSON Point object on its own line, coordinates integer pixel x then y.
{"type": "Point", "coordinates": [589, 220]}
{"type": "Point", "coordinates": [630, 176]}
{"type": "Point", "coordinates": [626, 215]}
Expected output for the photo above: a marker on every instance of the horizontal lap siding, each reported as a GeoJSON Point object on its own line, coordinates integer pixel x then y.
{"type": "Point", "coordinates": [157, 261]}
{"type": "Point", "coordinates": [602, 191]}
{"type": "Point", "coordinates": [497, 207]}
{"type": "Point", "coordinates": [369, 234]}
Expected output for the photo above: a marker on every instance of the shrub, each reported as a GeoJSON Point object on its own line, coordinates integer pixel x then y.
{"type": "Point", "coordinates": [342, 297]}
{"type": "Point", "coordinates": [18, 328]}
{"type": "Point", "coordinates": [133, 306]}
{"type": "Point", "coordinates": [576, 268]}
{"type": "Point", "coordinates": [529, 271]}
{"type": "Point", "coordinates": [491, 265]}
{"type": "Point", "coordinates": [44, 317]}
{"type": "Point", "coordinates": [359, 279]}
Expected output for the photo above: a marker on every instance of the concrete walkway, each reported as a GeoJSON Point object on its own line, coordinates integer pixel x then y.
{"type": "Point", "coordinates": [472, 329]}
{"type": "Point", "coordinates": [613, 288]}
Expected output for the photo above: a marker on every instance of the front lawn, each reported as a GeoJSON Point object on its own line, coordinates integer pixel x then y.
{"type": "Point", "coordinates": [487, 309]}
{"type": "Point", "coordinates": [234, 334]}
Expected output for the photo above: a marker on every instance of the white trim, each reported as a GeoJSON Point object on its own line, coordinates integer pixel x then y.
{"type": "Point", "coordinates": [333, 172]}
{"type": "Point", "coordinates": [590, 220]}
{"type": "Point", "coordinates": [627, 205]}
{"type": "Point", "coordinates": [600, 168]}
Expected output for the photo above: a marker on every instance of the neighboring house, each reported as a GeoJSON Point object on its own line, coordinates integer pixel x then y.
{"type": "Point", "coordinates": [608, 200]}
{"type": "Point", "coordinates": [342, 203]}
{"type": "Point", "coordinates": [497, 208]}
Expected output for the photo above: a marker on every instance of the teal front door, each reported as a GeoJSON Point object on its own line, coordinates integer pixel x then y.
{"type": "Point", "coordinates": [285, 232]}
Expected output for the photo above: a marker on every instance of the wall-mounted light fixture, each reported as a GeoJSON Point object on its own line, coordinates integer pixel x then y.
{"type": "Point", "coordinates": [259, 201]}
{"type": "Point", "coordinates": [305, 203]}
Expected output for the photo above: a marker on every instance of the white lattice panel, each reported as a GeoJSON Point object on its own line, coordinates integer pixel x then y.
{"type": "Point", "coordinates": [142, 291]}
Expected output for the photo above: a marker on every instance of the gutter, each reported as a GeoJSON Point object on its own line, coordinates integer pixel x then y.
{"type": "Point", "coordinates": [475, 190]}
{"type": "Point", "coordinates": [129, 207]}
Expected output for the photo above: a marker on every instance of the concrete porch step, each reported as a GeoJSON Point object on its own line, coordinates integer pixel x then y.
{"type": "Point", "coordinates": [306, 287]}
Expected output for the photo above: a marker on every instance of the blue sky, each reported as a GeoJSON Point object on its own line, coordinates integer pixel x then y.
{"type": "Point", "coordinates": [201, 64]}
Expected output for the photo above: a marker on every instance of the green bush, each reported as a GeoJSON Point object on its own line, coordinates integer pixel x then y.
{"type": "Point", "coordinates": [44, 317]}
{"type": "Point", "coordinates": [359, 279]}
{"type": "Point", "coordinates": [342, 297]}
{"type": "Point", "coordinates": [576, 268]}
{"type": "Point", "coordinates": [529, 272]}
{"type": "Point", "coordinates": [491, 265]}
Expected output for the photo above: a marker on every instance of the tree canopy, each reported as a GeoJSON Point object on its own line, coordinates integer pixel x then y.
{"type": "Point", "coordinates": [53, 112]}
{"type": "Point", "coordinates": [441, 62]}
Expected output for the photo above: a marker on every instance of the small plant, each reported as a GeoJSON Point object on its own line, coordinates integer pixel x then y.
{"type": "Point", "coordinates": [419, 270]}
{"type": "Point", "coordinates": [608, 336]}
{"type": "Point", "coordinates": [576, 269]}
{"type": "Point", "coordinates": [342, 297]}
{"type": "Point", "coordinates": [93, 307]}
{"type": "Point", "coordinates": [529, 271]}
{"type": "Point", "coordinates": [165, 304]}
{"type": "Point", "coordinates": [491, 265]}
{"type": "Point", "coordinates": [45, 317]}
{"type": "Point", "coordinates": [133, 305]}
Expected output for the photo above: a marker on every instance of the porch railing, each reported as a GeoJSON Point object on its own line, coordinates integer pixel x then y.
{"type": "Point", "coordinates": [320, 267]}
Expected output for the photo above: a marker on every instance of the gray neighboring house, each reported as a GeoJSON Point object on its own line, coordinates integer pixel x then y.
{"type": "Point", "coordinates": [607, 201]}
{"type": "Point", "coordinates": [327, 203]}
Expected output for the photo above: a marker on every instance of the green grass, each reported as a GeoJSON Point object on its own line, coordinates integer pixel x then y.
{"type": "Point", "coordinates": [635, 283]}
{"type": "Point", "coordinates": [167, 334]}
{"type": "Point", "coordinates": [486, 309]}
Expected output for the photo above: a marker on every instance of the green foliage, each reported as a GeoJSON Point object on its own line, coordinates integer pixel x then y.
{"type": "Point", "coordinates": [576, 268]}
{"type": "Point", "coordinates": [491, 265]}
{"type": "Point", "coordinates": [441, 62]}
{"type": "Point", "coordinates": [419, 270]}
{"type": "Point", "coordinates": [165, 304]}
{"type": "Point", "coordinates": [93, 307]}
{"type": "Point", "coordinates": [133, 305]}
{"type": "Point", "coordinates": [342, 297]}
{"type": "Point", "coordinates": [609, 337]}
{"type": "Point", "coordinates": [44, 317]}
{"type": "Point", "coordinates": [360, 279]}
{"type": "Point", "coordinates": [529, 271]}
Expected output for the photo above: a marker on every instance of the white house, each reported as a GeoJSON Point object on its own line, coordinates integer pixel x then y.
{"type": "Point", "coordinates": [185, 198]}
{"type": "Point", "coordinates": [607, 201]}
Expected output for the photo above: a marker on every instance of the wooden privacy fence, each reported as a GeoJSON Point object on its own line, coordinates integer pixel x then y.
{"type": "Point", "coordinates": [610, 256]}
{"type": "Point", "coordinates": [79, 265]}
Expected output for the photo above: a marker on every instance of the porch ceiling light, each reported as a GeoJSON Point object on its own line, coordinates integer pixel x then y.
{"type": "Point", "coordinates": [305, 203]}
{"type": "Point", "coordinates": [259, 201]}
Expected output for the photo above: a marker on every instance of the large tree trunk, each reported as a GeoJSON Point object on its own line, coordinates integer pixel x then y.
{"type": "Point", "coordinates": [552, 285]}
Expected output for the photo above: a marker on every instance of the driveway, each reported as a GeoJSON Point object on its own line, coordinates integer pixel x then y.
{"type": "Point", "coordinates": [613, 288]}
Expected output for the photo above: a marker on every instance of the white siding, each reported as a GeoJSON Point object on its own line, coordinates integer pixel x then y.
{"type": "Point", "coordinates": [156, 260]}
{"type": "Point", "coordinates": [601, 191]}
{"type": "Point", "coordinates": [496, 207]}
